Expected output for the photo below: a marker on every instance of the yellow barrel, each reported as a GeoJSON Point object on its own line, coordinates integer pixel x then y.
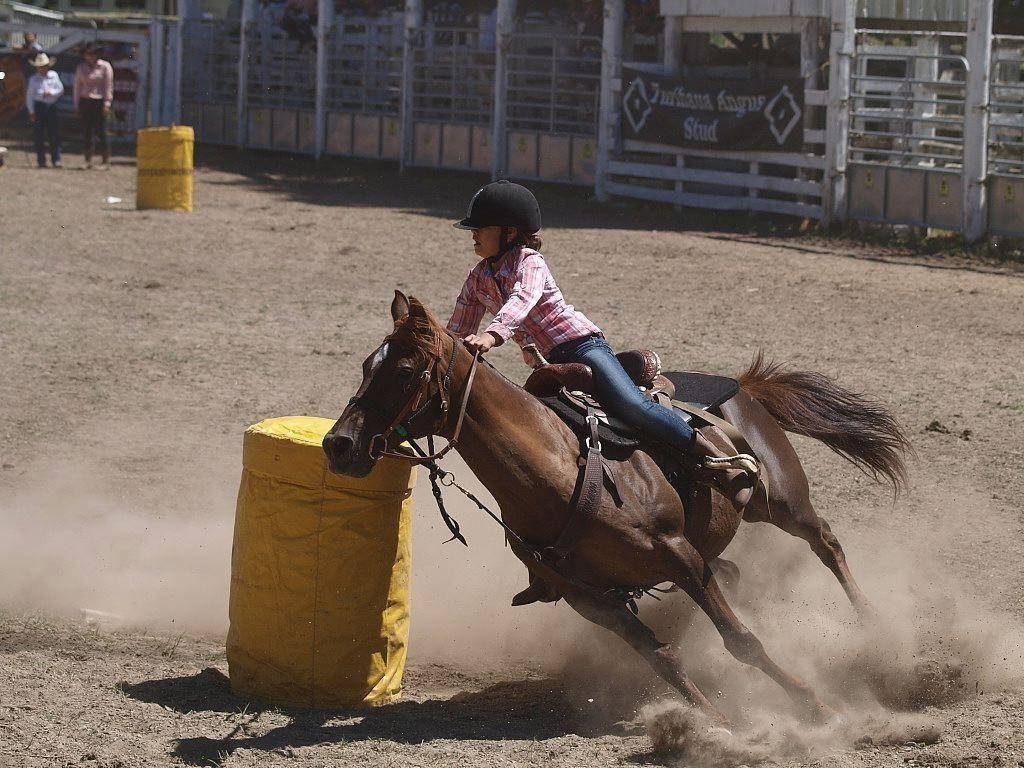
{"type": "Point", "coordinates": [319, 604]}
{"type": "Point", "coordinates": [165, 168]}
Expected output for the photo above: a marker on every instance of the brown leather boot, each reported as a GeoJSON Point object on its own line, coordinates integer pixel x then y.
{"type": "Point", "coordinates": [735, 477]}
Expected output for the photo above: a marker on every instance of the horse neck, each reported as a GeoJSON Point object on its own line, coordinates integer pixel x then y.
{"type": "Point", "coordinates": [496, 407]}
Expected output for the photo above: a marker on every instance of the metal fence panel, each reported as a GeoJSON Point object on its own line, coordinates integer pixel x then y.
{"type": "Point", "coordinates": [209, 61]}
{"type": "Point", "coordinates": [281, 71]}
{"type": "Point", "coordinates": [907, 116]}
{"type": "Point", "coordinates": [453, 76]}
{"type": "Point", "coordinates": [364, 65]}
{"type": "Point", "coordinates": [1006, 137]}
{"type": "Point", "coordinates": [554, 83]}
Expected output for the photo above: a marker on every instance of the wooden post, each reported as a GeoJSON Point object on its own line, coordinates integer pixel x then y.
{"type": "Point", "coordinates": [505, 29]}
{"type": "Point", "coordinates": [837, 127]}
{"type": "Point", "coordinates": [673, 53]}
{"type": "Point", "coordinates": [413, 24]}
{"type": "Point", "coordinates": [979, 59]}
{"type": "Point", "coordinates": [157, 79]}
{"type": "Point", "coordinates": [179, 53]}
{"type": "Point", "coordinates": [142, 73]}
{"type": "Point", "coordinates": [324, 26]}
{"type": "Point", "coordinates": [243, 72]}
{"type": "Point", "coordinates": [611, 90]}
{"type": "Point", "coordinates": [672, 61]}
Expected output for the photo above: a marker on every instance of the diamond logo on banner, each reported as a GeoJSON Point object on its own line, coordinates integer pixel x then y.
{"type": "Point", "coordinates": [637, 104]}
{"type": "Point", "coordinates": [783, 114]}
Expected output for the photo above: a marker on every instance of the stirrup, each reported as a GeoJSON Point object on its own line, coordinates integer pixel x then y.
{"type": "Point", "coordinates": [743, 461]}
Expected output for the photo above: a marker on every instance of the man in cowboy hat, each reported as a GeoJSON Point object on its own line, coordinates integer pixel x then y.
{"type": "Point", "coordinates": [44, 90]}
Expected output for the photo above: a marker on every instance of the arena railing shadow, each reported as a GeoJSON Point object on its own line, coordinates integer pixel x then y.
{"type": "Point", "coordinates": [533, 709]}
{"type": "Point", "coordinates": [356, 182]}
{"type": "Point", "coordinates": [444, 194]}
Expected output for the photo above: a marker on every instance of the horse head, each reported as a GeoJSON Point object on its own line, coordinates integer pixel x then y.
{"type": "Point", "coordinates": [401, 395]}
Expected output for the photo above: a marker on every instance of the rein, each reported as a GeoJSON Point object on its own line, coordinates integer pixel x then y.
{"type": "Point", "coordinates": [548, 557]}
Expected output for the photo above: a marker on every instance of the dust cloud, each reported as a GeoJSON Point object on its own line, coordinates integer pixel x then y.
{"type": "Point", "coordinates": [78, 544]}
{"type": "Point", "coordinates": [157, 554]}
{"type": "Point", "coordinates": [92, 539]}
{"type": "Point", "coordinates": [936, 638]}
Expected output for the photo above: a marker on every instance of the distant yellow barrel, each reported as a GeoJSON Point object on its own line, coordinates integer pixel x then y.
{"type": "Point", "coordinates": [165, 168]}
{"type": "Point", "coordinates": [319, 604]}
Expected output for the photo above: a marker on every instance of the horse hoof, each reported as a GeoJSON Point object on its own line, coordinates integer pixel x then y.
{"type": "Point", "coordinates": [822, 714]}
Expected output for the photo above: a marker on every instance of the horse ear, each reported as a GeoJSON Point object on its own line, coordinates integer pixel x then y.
{"type": "Point", "coordinates": [399, 307]}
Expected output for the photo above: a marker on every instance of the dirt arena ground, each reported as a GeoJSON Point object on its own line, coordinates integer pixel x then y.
{"type": "Point", "coordinates": [137, 346]}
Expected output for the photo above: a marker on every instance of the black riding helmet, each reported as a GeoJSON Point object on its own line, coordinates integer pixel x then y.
{"type": "Point", "coordinates": [503, 204]}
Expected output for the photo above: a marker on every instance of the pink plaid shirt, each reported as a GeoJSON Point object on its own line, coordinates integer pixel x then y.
{"type": "Point", "coordinates": [526, 304]}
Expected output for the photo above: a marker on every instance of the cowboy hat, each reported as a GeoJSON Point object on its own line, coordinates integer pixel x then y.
{"type": "Point", "coordinates": [41, 60]}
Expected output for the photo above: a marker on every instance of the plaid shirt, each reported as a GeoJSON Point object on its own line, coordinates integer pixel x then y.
{"type": "Point", "coordinates": [526, 304]}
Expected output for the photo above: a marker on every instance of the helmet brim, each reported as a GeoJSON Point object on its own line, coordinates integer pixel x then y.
{"type": "Point", "coordinates": [465, 224]}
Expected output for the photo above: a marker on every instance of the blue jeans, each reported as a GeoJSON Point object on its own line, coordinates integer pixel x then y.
{"type": "Point", "coordinates": [620, 396]}
{"type": "Point", "coordinates": [46, 128]}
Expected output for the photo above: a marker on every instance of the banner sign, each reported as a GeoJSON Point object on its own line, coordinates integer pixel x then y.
{"type": "Point", "coordinates": [710, 114]}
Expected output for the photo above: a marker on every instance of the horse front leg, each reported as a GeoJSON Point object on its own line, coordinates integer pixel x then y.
{"type": "Point", "coordinates": [661, 656]}
{"type": "Point", "coordinates": [695, 577]}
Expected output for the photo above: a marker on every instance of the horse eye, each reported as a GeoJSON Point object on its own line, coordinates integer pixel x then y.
{"type": "Point", "coordinates": [405, 372]}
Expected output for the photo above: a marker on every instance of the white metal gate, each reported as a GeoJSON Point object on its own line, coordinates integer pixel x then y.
{"type": "Point", "coordinates": [363, 92]}
{"type": "Point", "coordinates": [209, 79]}
{"type": "Point", "coordinates": [907, 115]}
{"type": "Point", "coordinates": [553, 82]}
{"type": "Point", "coordinates": [452, 82]}
{"type": "Point", "coordinates": [280, 88]}
{"type": "Point", "coordinates": [1006, 137]}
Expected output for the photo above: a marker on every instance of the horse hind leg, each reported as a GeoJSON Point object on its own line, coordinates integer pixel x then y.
{"type": "Point", "coordinates": [802, 521]}
{"type": "Point", "coordinates": [661, 656]}
{"type": "Point", "coordinates": [700, 585]}
{"type": "Point", "coordinates": [789, 507]}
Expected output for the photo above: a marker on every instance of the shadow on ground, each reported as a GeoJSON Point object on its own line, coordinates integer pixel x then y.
{"type": "Point", "coordinates": [355, 182]}
{"type": "Point", "coordinates": [519, 710]}
{"type": "Point", "coordinates": [444, 194]}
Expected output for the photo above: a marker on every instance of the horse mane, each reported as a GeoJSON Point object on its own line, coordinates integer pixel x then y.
{"type": "Point", "coordinates": [420, 330]}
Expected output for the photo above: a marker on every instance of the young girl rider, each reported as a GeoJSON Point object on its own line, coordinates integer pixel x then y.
{"type": "Point", "coordinates": [513, 282]}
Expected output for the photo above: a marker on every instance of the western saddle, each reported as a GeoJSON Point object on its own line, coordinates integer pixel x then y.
{"type": "Point", "coordinates": [568, 389]}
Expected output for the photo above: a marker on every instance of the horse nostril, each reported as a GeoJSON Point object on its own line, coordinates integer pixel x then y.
{"type": "Point", "coordinates": [338, 446]}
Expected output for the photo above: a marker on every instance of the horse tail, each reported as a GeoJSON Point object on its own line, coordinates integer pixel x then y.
{"type": "Point", "coordinates": [862, 431]}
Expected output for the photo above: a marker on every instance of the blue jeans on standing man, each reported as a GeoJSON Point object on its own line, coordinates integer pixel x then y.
{"type": "Point", "coordinates": [620, 396]}
{"type": "Point", "coordinates": [46, 128]}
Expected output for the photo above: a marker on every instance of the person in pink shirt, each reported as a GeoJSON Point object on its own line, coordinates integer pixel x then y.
{"type": "Point", "coordinates": [513, 282]}
{"type": "Point", "coordinates": [93, 94]}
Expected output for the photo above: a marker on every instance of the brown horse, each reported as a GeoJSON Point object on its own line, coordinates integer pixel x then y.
{"type": "Point", "coordinates": [527, 458]}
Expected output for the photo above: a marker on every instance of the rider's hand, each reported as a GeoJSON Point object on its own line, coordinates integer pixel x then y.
{"type": "Point", "coordinates": [479, 343]}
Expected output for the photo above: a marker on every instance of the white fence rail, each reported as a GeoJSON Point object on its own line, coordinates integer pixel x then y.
{"type": "Point", "coordinates": [908, 113]}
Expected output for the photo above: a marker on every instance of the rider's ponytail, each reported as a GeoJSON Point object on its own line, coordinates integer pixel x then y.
{"type": "Point", "coordinates": [530, 241]}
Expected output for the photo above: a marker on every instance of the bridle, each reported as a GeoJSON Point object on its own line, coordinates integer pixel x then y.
{"type": "Point", "coordinates": [418, 404]}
